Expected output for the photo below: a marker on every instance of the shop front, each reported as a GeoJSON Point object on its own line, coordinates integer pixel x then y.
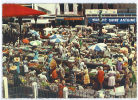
{"type": "Point", "coordinates": [71, 21]}
{"type": "Point", "coordinates": [122, 22]}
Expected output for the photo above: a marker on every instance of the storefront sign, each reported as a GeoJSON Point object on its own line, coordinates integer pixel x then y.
{"type": "Point", "coordinates": [96, 11]}
{"type": "Point", "coordinates": [113, 20]}
{"type": "Point", "coordinates": [73, 18]}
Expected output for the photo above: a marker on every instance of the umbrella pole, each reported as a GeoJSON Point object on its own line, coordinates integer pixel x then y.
{"type": "Point", "coordinates": [20, 23]}
{"type": "Point", "coordinates": [35, 18]}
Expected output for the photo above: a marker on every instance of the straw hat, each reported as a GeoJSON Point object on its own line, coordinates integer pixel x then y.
{"type": "Point", "coordinates": [16, 59]}
{"type": "Point", "coordinates": [120, 59]}
{"type": "Point", "coordinates": [13, 67]}
{"type": "Point", "coordinates": [56, 81]}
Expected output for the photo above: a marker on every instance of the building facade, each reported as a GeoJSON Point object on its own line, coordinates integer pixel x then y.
{"type": "Point", "coordinates": [75, 13]}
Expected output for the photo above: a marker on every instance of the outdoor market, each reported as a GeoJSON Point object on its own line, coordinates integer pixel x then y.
{"type": "Point", "coordinates": [69, 62]}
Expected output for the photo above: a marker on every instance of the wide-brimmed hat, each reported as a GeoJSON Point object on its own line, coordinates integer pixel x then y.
{"type": "Point", "coordinates": [16, 59]}
{"type": "Point", "coordinates": [13, 67]}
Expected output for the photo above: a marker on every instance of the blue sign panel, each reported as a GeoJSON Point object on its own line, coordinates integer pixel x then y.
{"type": "Point", "coordinates": [113, 20]}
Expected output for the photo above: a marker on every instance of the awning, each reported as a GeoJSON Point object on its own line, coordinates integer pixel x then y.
{"type": "Point", "coordinates": [40, 21]}
{"type": "Point", "coordinates": [16, 10]}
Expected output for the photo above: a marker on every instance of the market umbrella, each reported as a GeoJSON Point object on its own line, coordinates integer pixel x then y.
{"type": "Point", "coordinates": [55, 36]}
{"type": "Point", "coordinates": [35, 43]}
{"type": "Point", "coordinates": [33, 32]}
{"type": "Point", "coordinates": [96, 48]}
{"type": "Point", "coordinates": [57, 40]}
{"type": "Point", "coordinates": [25, 41]}
{"type": "Point", "coordinates": [100, 37]}
{"type": "Point", "coordinates": [16, 10]}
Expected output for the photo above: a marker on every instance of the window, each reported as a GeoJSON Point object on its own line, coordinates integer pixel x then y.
{"type": "Point", "coordinates": [79, 7]}
{"type": "Point", "coordinates": [110, 6]}
{"type": "Point", "coordinates": [91, 6]}
{"type": "Point", "coordinates": [70, 7]}
{"type": "Point", "coordinates": [100, 6]}
{"type": "Point", "coordinates": [62, 7]}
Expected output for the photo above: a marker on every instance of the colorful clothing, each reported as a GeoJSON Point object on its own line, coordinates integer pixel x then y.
{"type": "Point", "coordinates": [36, 55]}
{"type": "Point", "coordinates": [100, 76]}
{"type": "Point", "coordinates": [119, 65]}
{"type": "Point", "coordinates": [86, 77]}
{"type": "Point", "coordinates": [18, 67]}
{"type": "Point", "coordinates": [60, 90]}
{"type": "Point", "coordinates": [54, 74]}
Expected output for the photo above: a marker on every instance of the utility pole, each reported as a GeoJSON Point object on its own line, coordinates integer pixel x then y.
{"type": "Point", "coordinates": [100, 23]}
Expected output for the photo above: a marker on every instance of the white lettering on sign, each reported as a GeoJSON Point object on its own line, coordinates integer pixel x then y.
{"type": "Point", "coordinates": [127, 20]}
{"type": "Point", "coordinates": [113, 20]}
{"type": "Point", "coordinates": [95, 19]}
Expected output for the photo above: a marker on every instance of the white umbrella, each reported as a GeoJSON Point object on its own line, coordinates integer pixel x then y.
{"type": "Point", "coordinates": [36, 43]}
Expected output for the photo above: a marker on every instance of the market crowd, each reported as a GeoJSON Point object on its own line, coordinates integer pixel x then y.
{"type": "Point", "coordinates": [71, 62]}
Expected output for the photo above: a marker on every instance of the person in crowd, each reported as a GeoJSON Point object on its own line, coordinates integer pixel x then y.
{"type": "Point", "coordinates": [17, 63]}
{"type": "Point", "coordinates": [72, 75]}
{"type": "Point", "coordinates": [86, 76]}
{"type": "Point", "coordinates": [5, 68]}
{"type": "Point", "coordinates": [132, 78]}
{"type": "Point", "coordinates": [36, 55]}
{"type": "Point", "coordinates": [111, 79]}
{"type": "Point", "coordinates": [54, 74]}
{"type": "Point", "coordinates": [26, 69]}
{"type": "Point", "coordinates": [101, 77]}
{"type": "Point", "coordinates": [47, 71]}
{"type": "Point", "coordinates": [60, 88]}
{"type": "Point", "coordinates": [62, 71]}
{"type": "Point", "coordinates": [16, 79]}
{"type": "Point", "coordinates": [81, 64]}
{"type": "Point", "coordinates": [119, 64]}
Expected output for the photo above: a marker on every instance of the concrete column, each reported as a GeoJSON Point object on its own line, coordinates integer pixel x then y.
{"type": "Point", "coordinates": [35, 89]}
{"type": "Point", "coordinates": [5, 86]}
{"type": "Point", "coordinates": [65, 92]}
